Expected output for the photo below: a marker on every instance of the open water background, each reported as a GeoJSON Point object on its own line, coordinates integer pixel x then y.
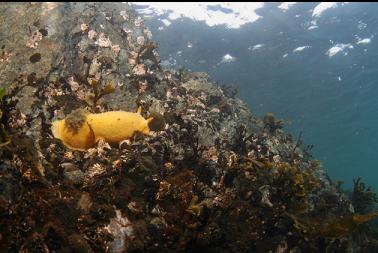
{"type": "Point", "coordinates": [313, 64]}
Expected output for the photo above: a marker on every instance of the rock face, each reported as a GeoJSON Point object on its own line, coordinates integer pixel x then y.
{"type": "Point", "coordinates": [214, 179]}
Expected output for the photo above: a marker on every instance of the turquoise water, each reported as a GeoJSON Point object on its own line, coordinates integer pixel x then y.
{"type": "Point", "coordinates": [318, 71]}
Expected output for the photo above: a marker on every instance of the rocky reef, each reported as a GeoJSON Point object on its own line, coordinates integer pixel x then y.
{"type": "Point", "coordinates": [212, 178]}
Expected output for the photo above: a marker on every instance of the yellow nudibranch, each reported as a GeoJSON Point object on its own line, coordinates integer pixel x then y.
{"type": "Point", "coordinates": [81, 130]}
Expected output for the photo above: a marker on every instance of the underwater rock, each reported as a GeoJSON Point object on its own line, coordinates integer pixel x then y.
{"type": "Point", "coordinates": [72, 173]}
{"type": "Point", "coordinates": [26, 98]}
{"type": "Point", "coordinates": [9, 188]}
{"type": "Point", "coordinates": [78, 243]}
{"type": "Point", "coordinates": [85, 203]}
{"type": "Point", "coordinates": [120, 227]}
{"type": "Point", "coordinates": [213, 178]}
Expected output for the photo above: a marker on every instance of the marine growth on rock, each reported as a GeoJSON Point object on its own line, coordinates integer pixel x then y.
{"type": "Point", "coordinates": [84, 173]}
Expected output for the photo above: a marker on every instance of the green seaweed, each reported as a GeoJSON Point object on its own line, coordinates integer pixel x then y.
{"type": "Point", "coordinates": [3, 92]}
{"type": "Point", "coordinates": [4, 138]}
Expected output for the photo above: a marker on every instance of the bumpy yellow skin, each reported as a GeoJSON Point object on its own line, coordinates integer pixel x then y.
{"type": "Point", "coordinates": [117, 125]}
{"type": "Point", "coordinates": [80, 140]}
{"type": "Point", "coordinates": [113, 127]}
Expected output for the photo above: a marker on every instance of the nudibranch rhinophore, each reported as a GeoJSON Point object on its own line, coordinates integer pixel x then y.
{"type": "Point", "coordinates": [81, 130]}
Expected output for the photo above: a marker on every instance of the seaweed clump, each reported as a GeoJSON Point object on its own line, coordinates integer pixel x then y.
{"type": "Point", "coordinates": [4, 137]}
{"type": "Point", "coordinates": [345, 226]}
{"type": "Point", "coordinates": [363, 198]}
{"type": "Point", "coordinates": [95, 98]}
{"type": "Point", "coordinates": [271, 123]}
